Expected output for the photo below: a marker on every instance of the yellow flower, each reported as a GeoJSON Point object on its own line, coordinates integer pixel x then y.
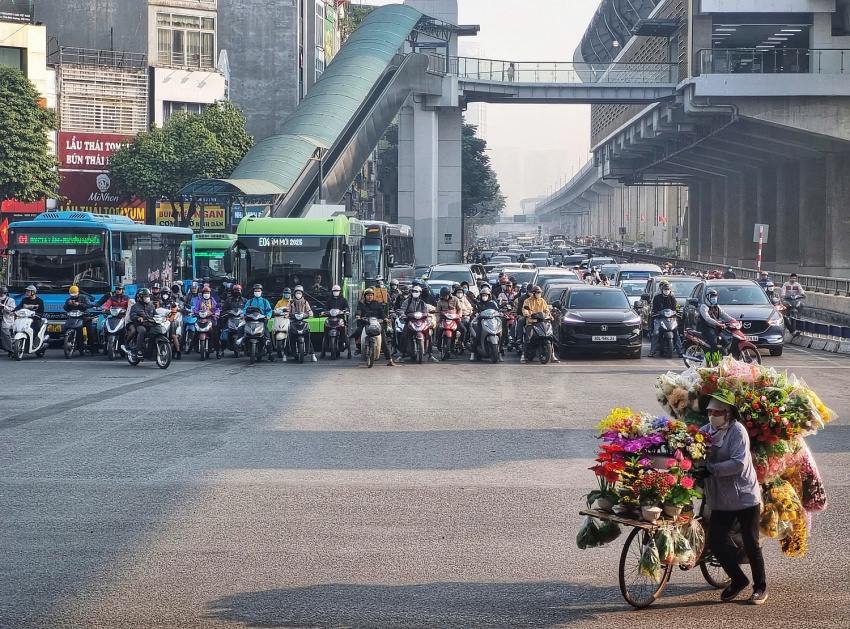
{"type": "Point", "coordinates": [698, 437]}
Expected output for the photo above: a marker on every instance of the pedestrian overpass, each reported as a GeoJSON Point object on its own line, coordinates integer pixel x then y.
{"type": "Point", "coordinates": [388, 64]}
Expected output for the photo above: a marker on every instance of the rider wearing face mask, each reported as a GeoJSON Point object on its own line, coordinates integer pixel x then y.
{"type": "Point", "coordinates": [335, 302]}
{"type": "Point", "coordinates": [415, 303]}
{"type": "Point", "coordinates": [208, 303]}
{"type": "Point", "coordinates": [732, 493]}
{"type": "Point", "coordinates": [283, 302]}
{"type": "Point", "coordinates": [299, 303]}
{"type": "Point", "coordinates": [141, 312]}
{"type": "Point", "coordinates": [712, 319]}
{"type": "Point", "coordinates": [664, 300]}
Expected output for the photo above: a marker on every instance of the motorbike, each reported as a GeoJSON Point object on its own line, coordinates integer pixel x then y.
{"type": "Point", "coordinates": [157, 343]}
{"type": "Point", "coordinates": [255, 340]}
{"type": "Point", "coordinates": [74, 332]}
{"type": "Point", "coordinates": [335, 337]}
{"type": "Point", "coordinates": [299, 335]}
{"type": "Point", "coordinates": [792, 308]}
{"type": "Point", "coordinates": [449, 332]}
{"type": "Point", "coordinates": [734, 343]}
{"type": "Point", "coordinates": [418, 328]}
{"type": "Point", "coordinates": [231, 334]}
{"type": "Point", "coordinates": [203, 332]}
{"type": "Point", "coordinates": [112, 331]}
{"type": "Point", "coordinates": [487, 346]}
{"type": "Point", "coordinates": [189, 321]}
{"type": "Point", "coordinates": [667, 331]}
{"type": "Point", "coordinates": [23, 340]}
{"type": "Point", "coordinates": [280, 332]}
{"type": "Point", "coordinates": [541, 338]}
{"type": "Point", "coordinates": [370, 341]}
{"type": "Point", "coordinates": [398, 332]}
{"type": "Point", "coordinates": [510, 324]}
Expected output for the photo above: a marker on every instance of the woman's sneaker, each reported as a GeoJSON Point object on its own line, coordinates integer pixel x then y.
{"type": "Point", "coordinates": [731, 592]}
{"type": "Point", "coordinates": [758, 597]}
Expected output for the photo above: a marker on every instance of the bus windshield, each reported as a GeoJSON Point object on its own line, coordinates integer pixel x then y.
{"type": "Point", "coordinates": [371, 258]}
{"type": "Point", "coordinates": [54, 260]}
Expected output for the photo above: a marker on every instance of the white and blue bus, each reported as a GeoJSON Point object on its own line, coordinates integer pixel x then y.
{"type": "Point", "coordinates": [387, 252]}
{"type": "Point", "coordinates": [95, 252]}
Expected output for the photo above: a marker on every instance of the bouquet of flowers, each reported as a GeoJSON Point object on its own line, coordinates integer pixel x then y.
{"type": "Point", "coordinates": [682, 491]}
{"type": "Point", "coordinates": [784, 518]}
{"type": "Point", "coordinates": [652, 487]}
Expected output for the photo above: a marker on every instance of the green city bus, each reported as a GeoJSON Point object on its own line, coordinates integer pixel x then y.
{"type": "Point", "coordinates": [286, 252]}
{"type": "Point", "coordinates": [210, 251]}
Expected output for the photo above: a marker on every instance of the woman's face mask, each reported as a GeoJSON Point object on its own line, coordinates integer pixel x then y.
{"type": "Point", "coordinates": [206, 295]}
{"type": "Point", "coordinates": [665, 292]}
{"type": "Point", "coordinates": [712, 300]}
{"type": "Point", "coordinates": [718, 422]}
{"type": "Point", "coordinates": [258, 293]}
{"type": "Point", "coordinates": [287, 295]}
{"type": "Point", "coordinates": [299, 295]}
{"type": "Point", "coordinates": [335, 293]}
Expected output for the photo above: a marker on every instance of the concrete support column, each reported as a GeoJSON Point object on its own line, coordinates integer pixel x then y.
{"type": "Point", "coordinates": [787, 229]}
{"type": "Point", "coordinates": [717, 220]}
{"type": "Point", "coordinates": [450, 223]}
{"type": "Point", "coordinates": [692, 220]}
{"type": "Point", "coordinates": [749, 217]}
{"type": "Point", "coordinates": [766, 211]}
{"type": "Point", "coordinates": [837, 216]}
{"type": "Point", "coordinates": [813, 216]}
{"type": "Point", "coordinates": [705, 209]}
{"type": "Point", "coordinates": [733, 247]}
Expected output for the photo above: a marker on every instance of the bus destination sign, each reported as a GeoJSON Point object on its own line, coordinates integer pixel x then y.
{"type": "Point", "coordinates": [59, 240]}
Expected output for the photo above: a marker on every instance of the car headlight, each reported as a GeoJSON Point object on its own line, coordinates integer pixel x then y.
{"type": "Point", "coordinates": [571, 319]}
{"type": "Point", "coordinates": [775, 320]}
{"type": "Point", "coordinates": [633, 320]}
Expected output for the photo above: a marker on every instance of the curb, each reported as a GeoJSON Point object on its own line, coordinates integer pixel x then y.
{"type": "Point", "coordinates": [827, 345]}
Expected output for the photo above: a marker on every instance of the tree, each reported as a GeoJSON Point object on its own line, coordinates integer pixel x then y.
{"type": "Point", "coordinates": [482, 200]}
{"type": "Point", "coordinates": [28, 168]}
{"type": "Point", "coordinates": [161, 162]}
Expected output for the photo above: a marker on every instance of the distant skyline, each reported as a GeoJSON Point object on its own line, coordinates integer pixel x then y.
{"type": "Point", "coordinates": [533, 146]}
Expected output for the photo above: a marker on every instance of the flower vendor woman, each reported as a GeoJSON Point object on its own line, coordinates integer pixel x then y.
{"type": "Point", "coordinates": [732, 492]}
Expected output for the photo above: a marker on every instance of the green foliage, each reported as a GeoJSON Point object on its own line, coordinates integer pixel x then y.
{"type": "Point", "coordinates": [388, 160]}
{"type": "Point", "coordinates": [161, 162]}
{"type": "Point", "coordinates": [481, 199]}
{"type": "Point", "coordinates": [27, 165]}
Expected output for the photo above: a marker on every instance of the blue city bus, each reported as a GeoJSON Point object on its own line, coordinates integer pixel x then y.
{"type": "Point", "coordinates": [95, 252]}
{"type": "Point", "coordinates": [387, 252]}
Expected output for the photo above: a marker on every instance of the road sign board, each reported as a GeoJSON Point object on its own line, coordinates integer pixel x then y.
{"type": "Point", "coordinates": [764, 229]}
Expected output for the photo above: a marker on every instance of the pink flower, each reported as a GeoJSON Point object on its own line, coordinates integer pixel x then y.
{"type": "Point", "coordinates": [678, 455]}
{"type": "Point", "coordinates": [671, 462]}
{"type": "Point", "coordinates": [688, 482]}
{"type": "Point", "coordinates": [671, 479]}
{"type": "Point", "coordinates": [685, 464]}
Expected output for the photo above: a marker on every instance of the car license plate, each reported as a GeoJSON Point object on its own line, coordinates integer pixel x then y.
{"type": "Point", "coordinates": [752, 339]}
{"type": "Point", "coordinates": [604, 338]}
{"type": "Point", "coordinates": [54, 327]}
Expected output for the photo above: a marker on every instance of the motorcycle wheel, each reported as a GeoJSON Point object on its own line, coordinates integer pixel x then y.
{"type": "Point", "coordinates": [494, 354]}
{"type": "Point", "coordinates": [110, 349]}
{"type": "Point", "coordinates": [40, 353]}
{"type": "Point", "coordinates": [458, 347]}
{"type": "Point", "coordinates": [302, 349]}
{"type": "Point", "coordinates": [70, 343]}
{"type": "Point", "coordinates": [163, 354]}
{"type": "Point", "coordinates": [252, 352]}
{"type": "Point", "coordinates": [19, 349]}
{"type": "Point", "coordinates": [750, 356]}
{"type": "Point", "coordinates": [279, 349]}
{"type": "Point", "coordinates": [420, 350]}
{"type": "Point", "coordinates": [446, 350]}
{"type": "Point", "coordinates": [190, 340]}
{"type": "Point", "coordinates": [370, 354]}
{"type": "Point", "coordinates": [202, 349]}
{"type": "Point", "coordinates": [545, 352]}
{"type": "Point", "coordinates": [667, 348]}
{"type": "Point", "coordinates": [693, 356]}
{"type": "Point", "coordinates": [131, 358]}
{"type": "Point", "coordinates": [334, 347]}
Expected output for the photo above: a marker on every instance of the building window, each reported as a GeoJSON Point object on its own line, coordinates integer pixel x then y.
{"type": "Point", "coordinates": [185, 40]}
{"type": "Point", "coordinates": [12, 57]}
{"type": "Point", "coordinates": [169, 108]}
{"type": "Point", "coordinates": [320, 38]}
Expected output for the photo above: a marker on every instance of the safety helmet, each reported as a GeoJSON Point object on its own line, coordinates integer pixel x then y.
{"type": "Point", "coordinates": [119, 287]}
{"type": "Point", "coordinates": [74, 290]}
{"type": "Point", "coordinates": [765, 273]}
{"type": "Point", "coordinates": [405, 289]}
{"type": "Point", "coordinates": [512, 280]}
{"type": "Point", "coordinates": [416, 282]}
{"type": "Point", "coordinates": [416, 291]}
{"type": "Point", "coordinates": [424, 285]}
{"type": "Point", "coordinates": [368, 291]}
{"type": "Point", "coordinates": [258, 287]}
{"type": "Point", "coordinates": [298, 288]}
{"type": "Point", "coordinates": [445, 291]}
{"type": "Point", "coordinates": [166, 291]}
{"type": "Point", "coordinates": [536, 288]}
{"type": "Point", "coordinates": [770, 286]}
{"type": "Point", "coordinates": [485, 291]}
{"type": "Point", "coordinates": [456, 287]}
{"type": "Point", "coordinates": [485, 285]}
{"type": "Point", "coordinates": [237, 288]}
{"type": "Point", "coordinates": [664, 284]}
{"type": "Point", "coordinates": [176, 286]}
{"type": "Point", "coordinates": [32, 288]}
{"type": "Point", "coordinates": [335, 287]}
{"type": "Point", "coordinates": [711, 292]}
{"type": "Point", "coordinates": [156, 286]}
{"type": "Point", "coordinates": [143, 292]}
{"type": "Point", "coordinates": [393, 283]}
{"type": "Point", "coordinates": [4, 290]}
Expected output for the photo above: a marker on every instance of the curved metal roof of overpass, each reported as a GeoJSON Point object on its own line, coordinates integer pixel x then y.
{"type": "Point", "coordinates": [613, 21]}
{"type": "Point", "coordinates": [328, 107]}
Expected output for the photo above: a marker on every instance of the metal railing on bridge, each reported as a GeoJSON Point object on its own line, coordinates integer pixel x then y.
{"type": "Point", "coordinates": [474, 69]}
{"type": "Point", "coordinates": [773, 61]}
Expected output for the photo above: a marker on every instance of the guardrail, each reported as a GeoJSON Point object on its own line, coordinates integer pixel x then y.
{"type": "Point", "coordinates": [815, 283]}
{"type": "Point", "coordinates": [566, 72]}
{"type": "Point", "coordinates": [773, 61]}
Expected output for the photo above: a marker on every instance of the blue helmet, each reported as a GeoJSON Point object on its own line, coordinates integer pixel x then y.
{"type": "Point", "coordinates": [416, 282]}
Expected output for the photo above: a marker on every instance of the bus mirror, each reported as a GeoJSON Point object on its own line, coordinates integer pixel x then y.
{"type": "Point", "coordinates": [120, 268]}
{"type": "Point", "coordinates": [390, 260]}
{"type": "Point", "coordinates": [347, 264]}
{"type": "Point", "coordinates": [228, 259]}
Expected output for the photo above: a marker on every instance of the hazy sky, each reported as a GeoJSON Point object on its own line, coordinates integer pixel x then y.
{"type": "Point", "coordinates": [533, 146]}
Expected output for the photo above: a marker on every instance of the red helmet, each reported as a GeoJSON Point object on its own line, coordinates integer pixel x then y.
{"type": "Point", "coordinates": [237, 287]}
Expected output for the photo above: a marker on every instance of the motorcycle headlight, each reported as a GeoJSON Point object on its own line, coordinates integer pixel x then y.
{"type": "Point", "coordinates": [159, 319]}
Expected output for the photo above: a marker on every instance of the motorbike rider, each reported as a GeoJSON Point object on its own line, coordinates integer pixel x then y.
{"type": "Point", "coordinates": [207, 302]}
{"type": "Point", "coordinates": [76, 301]}
{"type": "Point", "coordinates": [393, 292]}
{"type": "Point", "coordinates": [156, 291]}
{"type": "Point", "coordinates": [168, 301]}
{"type": "Point", "coordinates": [428, 295]}
{"type": "Point", "coordinates": [664, 300]}
{"type": "Point", "coordinates": [283, 302]}
{"type": "Point", "coordinates": [533, 305]}
{"type": "Point", "coordinates": [791, 288]}
{"type": "Point", "coordinates": [485, 302]}
{"type": "Point", "coordinates": [177, 290]}
{"type": "Point", "coordinates": [711, 321]}
{"type": "Point", "coordinates": [466, 311]}
{"type": "Point", "coordinates": [300, 304]}
{"type": "Point", "coordinates": [141, 312]}
{"type": "Point", "coordinates": [338, 302]}
{"type": "Point", "coordinates": [764, 278]}
{"type": "Point", "coordinates": [447, 303]}
{"type": "Point", "coordinates": [415, 303]}
{"type": "Point", "coordinates": [193, 293]}
{"type": "Point", "coordinates": [770, 291]}
{"type": "Point", "coordinates": [34, 303]}
{"type": "Point", "coordinates": [367, 309]}
{"type": "Point", "coordinates": [234, 302]}
{"type": "Point", "coordinates": [118, 299]}
{"type": "Point", "coordinates": [7, 319]}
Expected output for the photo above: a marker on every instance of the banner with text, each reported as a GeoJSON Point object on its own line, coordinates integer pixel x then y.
{"type": "Point", "coordinates": [209, 218]}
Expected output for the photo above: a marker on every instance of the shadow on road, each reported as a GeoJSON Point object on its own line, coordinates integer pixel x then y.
{"type": "Point", "coordinates": [536, 605]}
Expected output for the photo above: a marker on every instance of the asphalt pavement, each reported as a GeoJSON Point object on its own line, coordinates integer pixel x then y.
{"type": "Point", "coordinates": [329, 495]}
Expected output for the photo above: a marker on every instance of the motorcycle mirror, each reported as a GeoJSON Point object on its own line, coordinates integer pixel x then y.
{"type": "Point", "coordinates": [693, 301]}
{"type": "Point", "coordinates": [556, 304]}
{"type": "Point", "coordinates": [646, 297]}
{"type": "Point", "coordinates": [774, 300]}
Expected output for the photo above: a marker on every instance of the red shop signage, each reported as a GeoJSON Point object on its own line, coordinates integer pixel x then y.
{"type": "Point", "coordinates": [87, 151]}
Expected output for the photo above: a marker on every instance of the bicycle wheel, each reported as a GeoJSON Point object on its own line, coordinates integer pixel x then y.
{"type": "Point", "coordinates": [714, 575]}
{"type": "Point", "coordinates": [639, 590]}
{"type": "Point", "coordinates": [694, 356]}
{"type": "Point", "coordinates": [750, 355]}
